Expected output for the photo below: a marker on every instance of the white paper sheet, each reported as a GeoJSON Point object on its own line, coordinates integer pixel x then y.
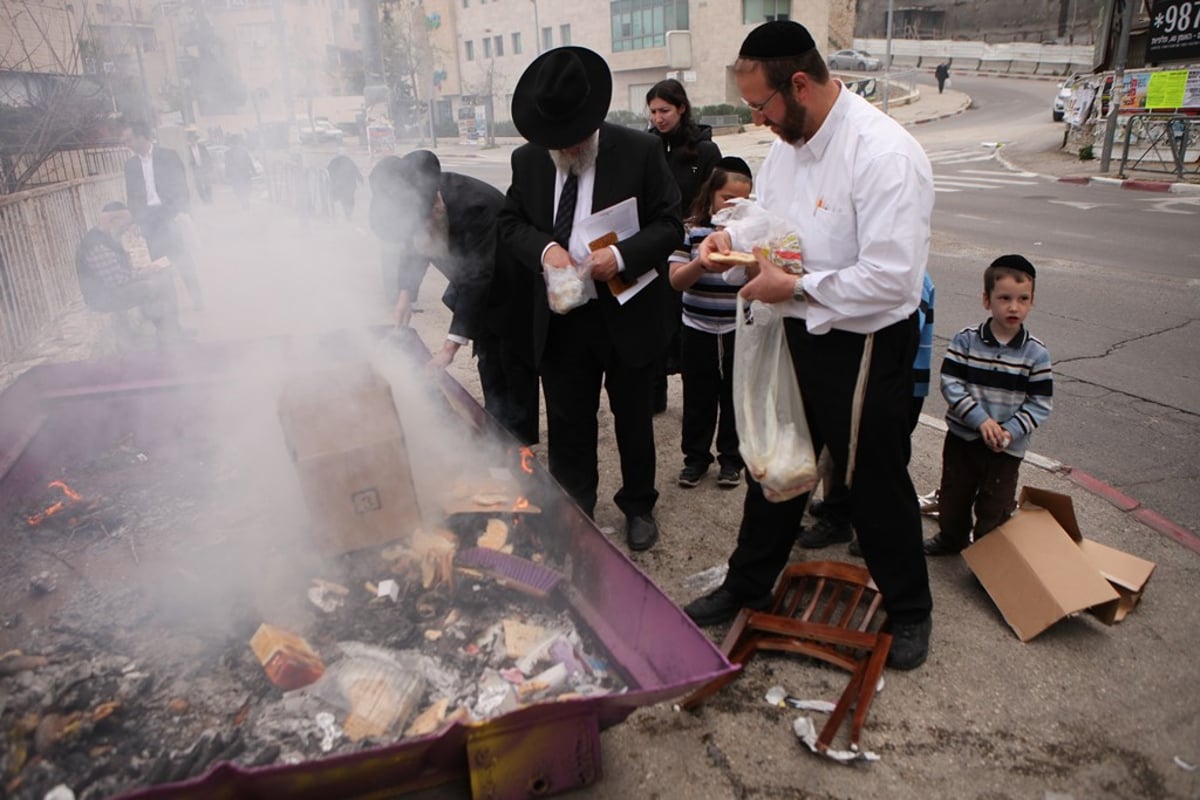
{"type": "Point", "coordinates": [621, 219]}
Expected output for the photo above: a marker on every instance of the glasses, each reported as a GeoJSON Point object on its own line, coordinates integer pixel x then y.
{"type": "Point", "coordinates": [759, 107]}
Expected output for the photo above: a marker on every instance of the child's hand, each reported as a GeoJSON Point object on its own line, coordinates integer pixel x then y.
{"type": "Point", "coordinates": [995, 436]}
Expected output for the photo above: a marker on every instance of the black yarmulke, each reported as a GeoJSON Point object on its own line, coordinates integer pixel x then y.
{"type": "Point", "coordinates": [1019, 263]}
{"type": "Point", "coordinates": [735, 164]}
{"type": "Point", "coordinates": [777, 39]}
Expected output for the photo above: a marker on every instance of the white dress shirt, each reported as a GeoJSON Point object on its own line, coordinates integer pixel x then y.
{"type": "Point", "coordinates": [860, 195]}
{"type": "Point", "coordinates": [152, 198]}
{"type": "Point", "coordinates": [584, 186]}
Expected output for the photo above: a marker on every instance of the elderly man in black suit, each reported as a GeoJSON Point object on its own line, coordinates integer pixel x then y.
{"type": "Point", "coordinates": [156, 190]}
{"type": "Point", "coordinates": [573, 165]}
{"type": "Point", "coordinates": [449, 220]}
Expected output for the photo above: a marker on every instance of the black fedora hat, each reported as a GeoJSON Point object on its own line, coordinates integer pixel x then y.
{"type": "Point", "coordinates": [562, 97]}
{"type": "Point", "coordinates": [402, 193]}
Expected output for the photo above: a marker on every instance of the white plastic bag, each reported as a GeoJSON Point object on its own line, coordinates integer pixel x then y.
{"type": "Point", "coordinates": [568, 288]}
{"type": "Point", "coordinates": [772, 429]}
{"type": "Point", "coordinates": [752, 226]}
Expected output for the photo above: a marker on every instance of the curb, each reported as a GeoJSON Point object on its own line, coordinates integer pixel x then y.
{"type": "Point", "coordinates": [936, 117]}
{"type": "Point", "coordinates": [1137, 184]}
{"type": "Point", "coordinates": [1093, 485]}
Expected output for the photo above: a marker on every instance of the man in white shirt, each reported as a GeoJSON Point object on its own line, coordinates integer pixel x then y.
{"type": "Point", "coordinates": [858, 189]}
{"type": "Point", "coordinates": [156, 190]}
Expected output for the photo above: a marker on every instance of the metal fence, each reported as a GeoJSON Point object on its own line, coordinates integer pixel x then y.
{"type": "Point", "coordinates": [1161, 143]}
{"type": "Point", "coordinates": [39, 230]}
{"type": "Point", "coordinates": [64, 165]}
{"type": "Point", "coordinates": [304, 190]}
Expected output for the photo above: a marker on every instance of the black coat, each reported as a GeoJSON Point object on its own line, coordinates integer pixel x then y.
{"type": "Point", "coordinates": [692, 165]}
{"type": "Point", "coordinates": [629, 164]}
{"type": "Point", "coordinates": [170, 181]}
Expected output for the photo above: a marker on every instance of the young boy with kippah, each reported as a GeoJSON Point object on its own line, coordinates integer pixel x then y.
{"type": "Point", "coordinates": [998, 387]}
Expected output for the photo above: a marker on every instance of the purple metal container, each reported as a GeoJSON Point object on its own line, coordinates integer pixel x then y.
{"type": "Point", "coordinates": [63, 413]}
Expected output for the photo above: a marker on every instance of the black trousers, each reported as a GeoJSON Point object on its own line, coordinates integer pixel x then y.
{"type": "Point", "coordinates": [883, 504]}
{"type": "Point", "coordinates": [510, 388]}
{"type": "Point", "coordinates": [706, 362]}
{"type": "Point", "coordinates": [974, 475]}
{"type": "Point", "coordinates": [578, 359]}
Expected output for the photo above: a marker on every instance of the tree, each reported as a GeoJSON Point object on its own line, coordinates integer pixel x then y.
{"type": "Point", "coordinates": [47, 103]}
{"type": "Point", "coordinates": [215, 85]}
{"type": "Point", "coordinates": [407, 61]}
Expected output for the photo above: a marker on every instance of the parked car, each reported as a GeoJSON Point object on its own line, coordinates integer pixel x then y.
{"type": "Point", "coordinates": [319, 131]}
{"type": "Point", "coordinates": [1059, 109]}
{"type": "Point", "coordinates": [854, 59]}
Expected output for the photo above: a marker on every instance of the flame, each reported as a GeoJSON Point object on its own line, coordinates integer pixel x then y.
{"type": "Point", "coordinates": [70, 495]}
{"type": "Point", "coordinates": [527, 460]}
{"type": "Point", "coordinates": [521, 504]}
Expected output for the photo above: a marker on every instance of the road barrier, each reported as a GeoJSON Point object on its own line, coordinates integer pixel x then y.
{"type": "Point", "coordinates": [1004, 58]}
{"type": "Point", "coordinates": [1165, 143]}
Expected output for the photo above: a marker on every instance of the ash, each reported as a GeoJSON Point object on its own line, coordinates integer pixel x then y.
{"type": "Point", "coordinates": [128, 615]}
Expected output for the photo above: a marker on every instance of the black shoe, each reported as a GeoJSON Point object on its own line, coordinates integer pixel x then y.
{"type": "Point", "coordinates": [942, 545]}
{"type": "Point", "coordinates": [825, 533]}
{"type": "Point", "coordinates": [910, 644]}
{"type": "Point", "coordinates": [721, 605]}
{"type": "Point", "coordinates": [817, 509]}
{"type": "Point", "coordinates": [729, 477]}
{"type": "Point", "coordinates": [854, 549]}
{"type": "Point", "coordinates": [690, 475]}
{"type": "Point", "coordinates": [641, 532]}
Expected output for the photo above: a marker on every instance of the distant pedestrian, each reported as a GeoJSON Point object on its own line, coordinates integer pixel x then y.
{"type": "Point", "coordinates": [344, 179]}
{"type": "Point", "coordinates": [998, 386]}
{"type": "Point", "coordinates": [942, 73]}
{"type": "Point", "coordinates": [239, 169]}
{"type": "Point", "coordinates": [201, 163]}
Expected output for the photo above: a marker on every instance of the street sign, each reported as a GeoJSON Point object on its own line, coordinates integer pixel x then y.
{"type": "Point", "coordinates": [1174, 31]}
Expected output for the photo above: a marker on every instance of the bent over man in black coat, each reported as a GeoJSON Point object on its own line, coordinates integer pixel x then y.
{"type": "Point", "coordinates": [449, 220]}
{"type": "Point", "coordinates": [575, 165]}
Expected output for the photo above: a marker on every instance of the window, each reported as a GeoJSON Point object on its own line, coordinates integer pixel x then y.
{"type": "Point", "coordinates": [564, 34]}
{"type": "Point", "coordinates": [756, 11]}
{"type": "Point", "coordinates": [487, 47]}
{"type": "Point", "coordinates": [499, 46]}
{"type": "Point", "coordinates": [640, 24]}
{"type": "Point", "coordinates": [470, 51]}
{"type": "Point", "coordinates": [516, 44]}
{"type": "Point", "coordinates": [547, 38]}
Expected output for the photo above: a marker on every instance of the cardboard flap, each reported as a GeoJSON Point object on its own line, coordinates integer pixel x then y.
{"type": "Point", "coordinates": [1059, 505]}
{"type": "Point", "coordinates": [1035, 574]}
{"type": "Point", "coordinates": [1126, 571]}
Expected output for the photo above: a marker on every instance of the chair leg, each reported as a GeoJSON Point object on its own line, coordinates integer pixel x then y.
{"type": "Point", "coordinates": [866, 692]}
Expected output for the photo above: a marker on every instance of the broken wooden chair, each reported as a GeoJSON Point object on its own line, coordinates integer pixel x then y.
{"type": "Point", "coordinates": [826, 610]}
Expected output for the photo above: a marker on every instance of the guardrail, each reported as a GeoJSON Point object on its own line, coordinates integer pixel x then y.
{"type": "Point", "coordinates": [1166, 142]}
{"type": "Point", "coordinates": [1008, 57]}
{"type": "Point", "coordinates": [39, 231]}
{"type": "Point", "coordinates": [302, 189]}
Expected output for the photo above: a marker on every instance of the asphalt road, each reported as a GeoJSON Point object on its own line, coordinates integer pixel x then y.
{"type": "Point", "coordinates": [1117, 300]}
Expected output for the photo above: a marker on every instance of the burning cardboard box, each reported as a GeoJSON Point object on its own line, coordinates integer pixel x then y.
{"type": "Point", "coordinates": [1038, 568]}
{"type": "Point", "coordinates": [345, 437]}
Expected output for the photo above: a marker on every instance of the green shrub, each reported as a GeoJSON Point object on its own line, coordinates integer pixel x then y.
{"type": "Point", "coordinates": [1086, 153]}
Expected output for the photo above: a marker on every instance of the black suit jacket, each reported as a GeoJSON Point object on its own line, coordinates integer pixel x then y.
{"type": "Point", "coordinates": [469, 263]}
{"type": "Point", "coordinates": [170, 181]}
{"type": "Point", "coordinates": [629, 164]}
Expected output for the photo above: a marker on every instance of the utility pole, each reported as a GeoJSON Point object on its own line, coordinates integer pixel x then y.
{"type": "Point", "coordinates": [887, 70]}
{"type": "Point", "coordinates": [137, 45]}
{"type": "Point", "coordinates": [284, 68]}
{"type": "Point", "coordinates": [1118, 84]}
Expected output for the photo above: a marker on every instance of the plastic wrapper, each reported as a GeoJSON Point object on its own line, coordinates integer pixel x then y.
{"type": "Point", "coordinates": [377, 689]}
{"type": "Point", "coordinates": [567, 288]}
{"type": "Point", "coordinates": [752, 226]}
{"type": "Point", "coordinates": [772, 429]}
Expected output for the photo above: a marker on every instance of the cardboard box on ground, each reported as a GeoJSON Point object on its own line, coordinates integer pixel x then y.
{"type": "Point", "coordinates": [1038, 568]}
{"type": "Point", "coordinates": [348, 445]}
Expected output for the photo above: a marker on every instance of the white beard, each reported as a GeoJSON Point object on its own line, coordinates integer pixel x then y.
{"type": "Point", "coordinates": [581, 161]}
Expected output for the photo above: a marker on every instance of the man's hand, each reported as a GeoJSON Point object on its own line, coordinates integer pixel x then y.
{"type": "Point", "coordinates": [442, 358]}
{"type": "Point", "coordinates": [772, 284]}
{"type": "Point", "coordinates": [402, 313]}
{"type": "Point", "coordinates": [604, 264]}
{"type": "Point", "coordinates": [995, 436]}
{"type": "Point", "coordinates": [558, 257]}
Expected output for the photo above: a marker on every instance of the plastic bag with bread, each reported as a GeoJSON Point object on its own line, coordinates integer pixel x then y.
{"type": "Point", "coordinates": [748, 222]}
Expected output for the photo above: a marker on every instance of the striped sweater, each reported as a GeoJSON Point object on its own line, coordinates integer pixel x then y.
{"type": "Point", "coordinates": [1010, 383]}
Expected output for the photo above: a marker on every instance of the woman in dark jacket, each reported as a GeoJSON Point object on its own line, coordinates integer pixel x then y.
{"type": "Point", "coordinates": [691, 152]}
{"type": "Point", "coordinates": [691, 155]}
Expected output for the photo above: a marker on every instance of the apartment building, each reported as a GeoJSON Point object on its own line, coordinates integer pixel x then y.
{"type": "Point", "coordinates": [643, 41]}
